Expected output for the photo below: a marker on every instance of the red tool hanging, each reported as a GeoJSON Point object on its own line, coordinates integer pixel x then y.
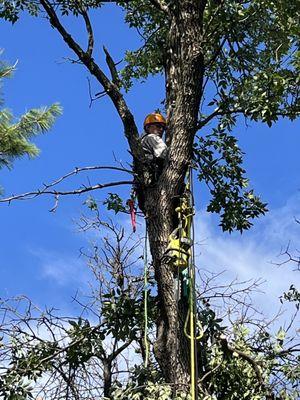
{"type": "Point", "coordinates": [132, 211]}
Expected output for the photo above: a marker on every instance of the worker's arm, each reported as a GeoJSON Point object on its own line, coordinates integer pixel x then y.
{"type": "Point", "coordinates": [158, 146]}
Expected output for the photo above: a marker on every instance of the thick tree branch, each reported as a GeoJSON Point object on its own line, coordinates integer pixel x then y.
{"type": "Point", "coordinates": [130, 128]}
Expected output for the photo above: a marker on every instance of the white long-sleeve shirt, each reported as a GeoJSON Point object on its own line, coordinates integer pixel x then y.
{"type": "Point", "coordinates": [153, 146]}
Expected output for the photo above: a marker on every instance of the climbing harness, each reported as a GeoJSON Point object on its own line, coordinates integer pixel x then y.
{"type": "Point", "coordinates": [179, 248]}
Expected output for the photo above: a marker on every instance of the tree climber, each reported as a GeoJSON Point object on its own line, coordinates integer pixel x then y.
{"type": "Point", "coordinates": [152, 142]}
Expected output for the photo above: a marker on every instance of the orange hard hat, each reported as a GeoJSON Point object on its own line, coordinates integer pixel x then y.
{"type": "Point", "coordinates": [155, 118]}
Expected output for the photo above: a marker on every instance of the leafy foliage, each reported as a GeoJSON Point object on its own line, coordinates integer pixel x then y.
{"type": "Point", "coordinates": [219, 160]}
{"type": "Point", "coordinates": [10, 10]}
{"type": "Point", "coordinates": [292, 295]}
{"type": "Point", "coordinates": [114, 202]}
{"type": "Point", "coordinates": [149, 59]}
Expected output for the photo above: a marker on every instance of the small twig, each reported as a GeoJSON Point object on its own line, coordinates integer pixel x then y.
{"type": "Point", "coordinates": [210, 372]}
{"type": "Point", "coordinates": [54, 208]}
{"type": "Point", "coordinates": [97, 95]}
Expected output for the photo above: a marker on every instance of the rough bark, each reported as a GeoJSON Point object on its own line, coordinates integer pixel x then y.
{"type": "Point", "coordinates": [107, 378]}
{"type": "Point", "coordinates": [184, 73]}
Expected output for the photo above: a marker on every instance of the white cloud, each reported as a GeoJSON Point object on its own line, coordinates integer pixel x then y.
{"type": "Point", "coordinates": [63, 269]}
{"type": "Point", "coordinates": [252, 255]}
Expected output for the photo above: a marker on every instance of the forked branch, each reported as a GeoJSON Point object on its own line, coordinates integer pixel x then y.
{"type": "Point", "coordinates": [130, 128]}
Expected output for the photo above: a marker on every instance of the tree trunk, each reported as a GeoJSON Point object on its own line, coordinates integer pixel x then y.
{"type": "Point", "coordinates": [184, 76]}
{"type": "Point", "coordinates": [107, 378]}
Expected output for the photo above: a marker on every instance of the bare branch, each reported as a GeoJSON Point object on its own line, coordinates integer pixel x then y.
{"type": "Point", "coordinates": [112, 67]}
{"type": "Point", "coordinates": [130, 128]}
{"type": "Point", "coordinates": [98, 95]}
{"type": "Point", "coordinates": [57, 193]}
{"type": "Point", "coordinates": [89, 29]}
{"type": "Point", "coordinates": [76, 171]}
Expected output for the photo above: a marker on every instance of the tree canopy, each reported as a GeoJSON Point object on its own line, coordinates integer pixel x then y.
{"type": "Point", "coordinates": [222, 61]}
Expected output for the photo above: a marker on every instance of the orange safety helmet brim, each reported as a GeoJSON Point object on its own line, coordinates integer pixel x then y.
{"type": "Point", "coordinates": [154, 118]}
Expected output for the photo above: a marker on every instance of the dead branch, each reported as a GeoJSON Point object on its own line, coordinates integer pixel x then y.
{"type": "Point", "coordinates": [289, 258]}
{"type": "Point", "coordinates": [112, 67]}
{"type": "Point", "coordinates": [90, 33]}
{"type": "Point", "coordinates": [76, 171]}
{"type": "Point", "coordinates": [130, 128]}
{"type": "Point", "coordinates": [57, 193]}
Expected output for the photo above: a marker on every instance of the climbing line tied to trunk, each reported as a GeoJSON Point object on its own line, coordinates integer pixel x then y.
{"type": "Point", "coordinates": [192, 298]}
{"type": "Point", "coordinates": [146, 343]}
{"type": "Point", "coordinates": [180, 256]}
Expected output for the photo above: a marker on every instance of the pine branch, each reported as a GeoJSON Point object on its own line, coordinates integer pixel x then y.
{"type": "Point", "coordinates": [38, 120]}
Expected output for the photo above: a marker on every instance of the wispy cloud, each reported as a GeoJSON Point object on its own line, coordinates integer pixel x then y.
{"type": "Point", "coordinates": [253, 254]}
{"type": "Point", "coordinates": [64, 269]}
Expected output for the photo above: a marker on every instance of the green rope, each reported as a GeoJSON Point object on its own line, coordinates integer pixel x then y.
{"type": "Point", "coordinates": [146, 298]}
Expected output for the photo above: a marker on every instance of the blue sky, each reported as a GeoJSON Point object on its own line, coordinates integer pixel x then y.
{"type": "Point", "coordinates": [39, 253]}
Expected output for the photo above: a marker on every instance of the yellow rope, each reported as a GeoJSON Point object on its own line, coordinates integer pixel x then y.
{"type": "Point", "coordinates": [146, 299]}
{"type": "Point", "coordinates": [193, 389]}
